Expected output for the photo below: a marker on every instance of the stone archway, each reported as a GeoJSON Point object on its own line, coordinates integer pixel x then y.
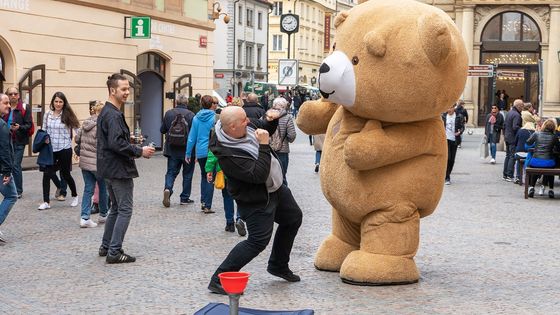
{"type": "Point", "coordinates": [8, 67]}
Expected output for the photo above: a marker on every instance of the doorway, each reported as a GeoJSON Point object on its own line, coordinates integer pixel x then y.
{"type": "Point", "coordinates": [151, 107]}
{"type": "Point", "coordinates": [510, 42]}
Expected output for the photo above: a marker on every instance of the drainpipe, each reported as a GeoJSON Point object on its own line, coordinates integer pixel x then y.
{"type": "Point", "coordinates": [270, 8]}
{"type": "Point", "coordinates": [294, 49]}
{"type": "Point", "coordinates": [234, 48]}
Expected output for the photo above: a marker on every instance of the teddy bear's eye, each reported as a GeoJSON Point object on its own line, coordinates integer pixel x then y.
{"type": "Point", "coordinates": [355, 60]}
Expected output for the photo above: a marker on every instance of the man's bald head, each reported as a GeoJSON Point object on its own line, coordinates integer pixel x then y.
{"type": "Point", "coordinates": [234, 121]}
{"type": "Point", "coordinates": [518, 104]}
{"type": "Point", "coordinates": [252, 98]}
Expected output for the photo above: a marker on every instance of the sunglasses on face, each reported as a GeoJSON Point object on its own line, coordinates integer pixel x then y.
{"type": "Point", "coordinates": [13, 94]}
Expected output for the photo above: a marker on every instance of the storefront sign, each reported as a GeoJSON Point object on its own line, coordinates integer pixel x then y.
{"type": "Point", "coordinates": [481, 71]}
{"type": "Point", "coordinates": [327, 33]}
{"type": "Point", "coordinates": [219, 75]}
{"type": "Point", "coordinates": [202, 41]}
{"type": "Point", "coordinates": [510, 74]}
{"type": "Point", "coordinates": [19, 5]}
{"type": "Point", "coordinates": [140, 27]}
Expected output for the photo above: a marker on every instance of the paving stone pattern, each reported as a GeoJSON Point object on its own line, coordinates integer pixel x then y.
{"type": "Point", "coordinates": [484, 250]}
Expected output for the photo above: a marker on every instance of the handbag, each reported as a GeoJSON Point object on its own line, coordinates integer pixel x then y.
{"type": "Point", "coordinates": [484, 148]}
{"type": "Point", "coordinates": [220, 180]}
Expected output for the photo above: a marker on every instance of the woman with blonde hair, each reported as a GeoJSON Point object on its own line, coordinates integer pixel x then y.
{"type": "Point", "coordinates": [236, 101]}
{"type": "Point", "coordinates": [86, 139]}
{"type": "Point", "coordinates": [546, 142]}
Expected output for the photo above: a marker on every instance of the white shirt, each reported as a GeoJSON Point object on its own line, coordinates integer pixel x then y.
{"type": "Point", "coordinates": [59, 134]}
{"type": "Point", "coordinates": [450, 127]}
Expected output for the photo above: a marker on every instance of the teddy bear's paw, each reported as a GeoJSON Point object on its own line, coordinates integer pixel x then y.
{"type": "Point", "coordinates": [363, 268]}
{"type": "Point", "coordinates": [332, 253]}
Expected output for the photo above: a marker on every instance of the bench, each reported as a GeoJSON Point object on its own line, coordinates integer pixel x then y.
{"type": "Point", "coordinates": [538, 171]}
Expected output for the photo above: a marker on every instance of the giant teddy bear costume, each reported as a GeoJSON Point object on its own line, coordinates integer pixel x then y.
{"type": "Point", "coordinates": [395, 67]}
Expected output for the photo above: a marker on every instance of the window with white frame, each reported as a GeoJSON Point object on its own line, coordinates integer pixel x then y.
{"type": "Point", "coordinates": [249, 56]}
{"type": "Point", "coordinates": [239, 54]}
{"type": "Point", "coordinates": [259, 57]}
{"type": "Point", "coordinates": [259, 20]}
{"type": "Point", "coordinates": [250, 17]}
{"type": "Point", "coordinates": [240, 15]}
{"type": "Point", "coordinates": [277, 10]}
{"type": "Point", "coordinates": [276, 42]}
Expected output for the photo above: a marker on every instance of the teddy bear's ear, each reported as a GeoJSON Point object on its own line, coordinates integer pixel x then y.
{"type": "Point", "coordinates": [435, 37]}
{"type": "Point", "coordinates": [375, 43]}
{"type": "Point", "coordinates": [341, 17]}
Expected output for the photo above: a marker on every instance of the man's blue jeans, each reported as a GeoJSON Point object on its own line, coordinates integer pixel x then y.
{"type": "Point", "coordinates": [90, 178]}
{"type": "Point", "coordinates": [173, 169]}
{"type": "Point", "coordinates": [10, 197]}
{"type": "Point", "coordinates": [206, 188]}
{"type": "Point", "coordinates": [229, 207]}
{"type": "Point", "coordinates": [284, 161]}
{"type": "Point", "coordinates": [19, 150]}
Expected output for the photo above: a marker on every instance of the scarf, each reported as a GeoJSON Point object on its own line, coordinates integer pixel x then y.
{"type": "Point", "coordinates": [249, 143]}
{"type": "Point", "coordinates": [492, 119]}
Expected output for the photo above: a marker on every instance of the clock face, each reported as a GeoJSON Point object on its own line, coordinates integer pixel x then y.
{"type": "Point", "coordinates": [289, 23]}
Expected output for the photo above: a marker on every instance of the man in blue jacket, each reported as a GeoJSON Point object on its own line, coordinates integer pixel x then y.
{"type": "Point", "coordinates": [115, 164]}
{"type": "Point", "coordinates": [199, 135]}
{"type": "Point", "coordinates": [7, 187]}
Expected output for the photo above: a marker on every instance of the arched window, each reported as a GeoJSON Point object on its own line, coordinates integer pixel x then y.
{"type": "Point", "coordinates": [151, 61]}
{"type": "Point", "coordinates": [511, 27]}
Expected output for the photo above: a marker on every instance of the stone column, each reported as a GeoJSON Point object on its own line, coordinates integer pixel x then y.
{"type": "Point", "coordinates": [552, 77]}
{"type": "Point", "coordinates": [467, 31]}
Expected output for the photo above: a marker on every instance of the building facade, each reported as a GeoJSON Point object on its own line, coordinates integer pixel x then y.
{"type": "Point", "coordinates": [73, 45]}
{"type": "Point", "coordinates": [310, 45]}
{"type": "Point", "coordinates": [513, 35]}
{"type": "Point", "coordinates": [241, 52]}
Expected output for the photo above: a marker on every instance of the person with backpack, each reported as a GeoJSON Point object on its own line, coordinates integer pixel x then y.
{"type": "Point", "coordinates": [21, 126]}
{"type": "Point", "coordinates": [176, 125]}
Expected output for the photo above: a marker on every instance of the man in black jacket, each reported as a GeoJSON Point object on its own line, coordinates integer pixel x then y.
{"type": "Point", "coordinates": [115, 164]}
{"type": "Point", "coordinates": [7, 187]}
{"type": "Point", "coordinates": [255, 182]}
{"type": "Point", "coordinates": [252, 108]}
{"type": "Point", "coordinates": [19, 121]}
{"type": "Point", "coordinates": [511, 126]}
{"type": "Point", "coordinates": [176, 153]}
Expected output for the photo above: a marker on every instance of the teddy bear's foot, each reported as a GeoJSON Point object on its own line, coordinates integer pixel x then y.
{"type": "Point", "coordinates": [332, 253]}
{"type": "Point", "coordinates": [363, 268]}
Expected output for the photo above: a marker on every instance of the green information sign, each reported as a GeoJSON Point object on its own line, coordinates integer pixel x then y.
{"type": "Point", "coordinates": [140, 27]}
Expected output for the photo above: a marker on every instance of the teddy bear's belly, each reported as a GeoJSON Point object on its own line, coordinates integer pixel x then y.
{"type": "Point", "coordinates": [355, 194]}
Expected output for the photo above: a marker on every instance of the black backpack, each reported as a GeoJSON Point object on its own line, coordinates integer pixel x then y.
{"type": "Point", "coordinates": [178, 132]}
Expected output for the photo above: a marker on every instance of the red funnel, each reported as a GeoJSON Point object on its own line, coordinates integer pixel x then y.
{"type": "Point", "coordinates": [234, 282]}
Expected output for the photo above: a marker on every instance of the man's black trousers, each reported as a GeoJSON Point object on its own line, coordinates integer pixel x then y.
{"type": "Point", "coordinates": [282, 209]}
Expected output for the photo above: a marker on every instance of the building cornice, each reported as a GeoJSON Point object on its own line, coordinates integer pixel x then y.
{"type": "Point", "coordinates": [134, 10]}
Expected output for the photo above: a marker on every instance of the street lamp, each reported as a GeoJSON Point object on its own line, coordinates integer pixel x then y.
{"type": "Point", "coordinates": [217, 11]}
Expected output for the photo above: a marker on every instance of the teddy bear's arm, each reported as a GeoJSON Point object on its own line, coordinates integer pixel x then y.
{"type": "Point", "coordinates": [314, 116]}
{"type": "Point", "coordinates": [375, 146]}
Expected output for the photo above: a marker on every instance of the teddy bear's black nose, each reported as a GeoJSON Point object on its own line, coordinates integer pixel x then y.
{"type": "Point", "coordinates": [324, 68]}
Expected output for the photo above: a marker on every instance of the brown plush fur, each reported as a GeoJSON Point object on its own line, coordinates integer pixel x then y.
{"type": "Point", "coordinates": [384, 159]}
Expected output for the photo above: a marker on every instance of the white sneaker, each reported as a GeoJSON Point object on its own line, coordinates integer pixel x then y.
{"type": "Point", "coordinates": [492, 161]}
{"type": "Point", "coordinates": [541, 190]}
{"type": "Point", "coordinates": [44, 206]}
{"type": "Point", "coordinates": [101, 220]}
{"type": "Point", "coordinates": [2, 239]}
{"type": "Point", "coordinates": [87, 223]}
{"type": "Point", "coordinates": [74, 201]}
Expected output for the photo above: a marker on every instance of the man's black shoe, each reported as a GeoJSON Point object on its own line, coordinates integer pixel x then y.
{"type": "Point", "coordinates": [104, 251]}
{"type": "Point", "coordinates": [216, 288]}
{"type": "Point", "coordinates": [120, 258]}
{"type": "Point", "coordinates": [187, 201]}
{"type": "Point", "coordinates": [286, 274]}
{"type": "Point", "coordinates": [240, 225]}
{"type": "Point", "coordinates": [230, 227]}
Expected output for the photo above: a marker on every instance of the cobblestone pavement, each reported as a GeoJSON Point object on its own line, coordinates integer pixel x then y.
{"type": "Point", "coordinates": [485, 250]}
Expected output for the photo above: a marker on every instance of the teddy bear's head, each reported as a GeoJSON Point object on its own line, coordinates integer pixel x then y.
{"type": "Point", "coordinates": [394, 61]}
